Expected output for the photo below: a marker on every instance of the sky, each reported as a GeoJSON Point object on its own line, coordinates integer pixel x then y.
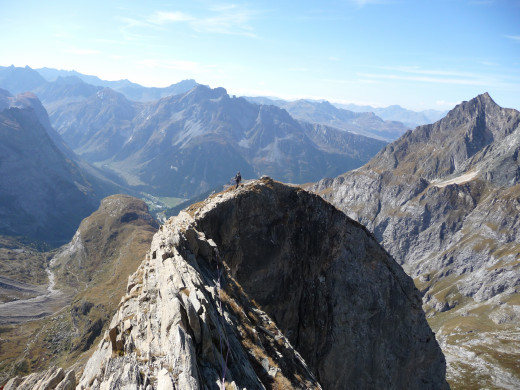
{"type": "Point", "coordinates": [420, 54]}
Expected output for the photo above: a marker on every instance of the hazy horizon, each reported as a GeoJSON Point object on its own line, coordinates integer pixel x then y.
{"type": "Point", "coordinates": [367, 52]}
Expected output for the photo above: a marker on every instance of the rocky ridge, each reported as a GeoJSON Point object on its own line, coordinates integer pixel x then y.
{"type": "Point", "coordinates": [444, 200]}
{"type": "Point", "coordinates": [324, 113]}
{"type": "Point", "coordinates": [51, 379]}
{"type": "Point", "coordinates": [324, 287]}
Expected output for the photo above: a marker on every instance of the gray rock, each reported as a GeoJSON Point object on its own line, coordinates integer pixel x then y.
{"type": "Point", "coordinates": [444, 201]}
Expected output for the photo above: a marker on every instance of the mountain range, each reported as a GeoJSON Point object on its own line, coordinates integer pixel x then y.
{"type": "Point", "coordinates": [18, 80]}
{"type": "Point", "coordinates": [444, 200]}
{"type": "Point", "coordinates": [395, 112]}
{"type": "Point", "coordinates": [186, 144]}
{"type": "Point", "coordinates": [324, 113]}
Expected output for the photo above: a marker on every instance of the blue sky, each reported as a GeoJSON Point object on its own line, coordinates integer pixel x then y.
{"type": "Point", "coordinates": [420, 54]}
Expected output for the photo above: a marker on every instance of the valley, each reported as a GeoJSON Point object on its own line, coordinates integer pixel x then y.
{"type": "Point", "coordinates": [44, 303]}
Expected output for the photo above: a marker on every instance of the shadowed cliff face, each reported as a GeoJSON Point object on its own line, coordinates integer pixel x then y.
{"type": "Point", "coordinates": [236, 287]}
{"type": "Point", "coordinates": [342, 301]}
{"type": "Point", "coordinates": [43, 195]}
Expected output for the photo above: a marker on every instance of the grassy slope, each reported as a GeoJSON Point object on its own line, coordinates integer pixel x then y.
{"type": "Point", "coordinates": [115, 246]}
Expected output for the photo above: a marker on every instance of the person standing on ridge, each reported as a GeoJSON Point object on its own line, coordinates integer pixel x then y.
{"type": "Point", "coordinates": [238, 179]}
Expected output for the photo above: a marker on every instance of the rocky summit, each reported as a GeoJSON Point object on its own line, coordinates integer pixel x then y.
{"type": "Point", "coordinates": [444, 200]}
{"type": "Point", "coordinates": [267, 286]}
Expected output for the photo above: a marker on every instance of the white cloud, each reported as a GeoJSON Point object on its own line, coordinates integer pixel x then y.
{"type": "Point", "coordinates": [161, 17]}
{"type": "Point", "coordinates": [418, 74]}
{"type": "Point", "coordinates": [513, 37]}
{"type": "Point", "coordinates": [84, 52]}
{"type": "Point", "coordinates": [490, 63]}
{"type": "Point", "coordinates": [229, 19]}
{"type": "Point", "coordinates": [445, 104]}
{"type": "Point", "coordinates": [362, 3]}
{"type": "Point", "coordinates": [429, 72]}
{"type": "Point", "coordinates": [424, 79]}
{"type": "Point", "coordinates": [171, 64]}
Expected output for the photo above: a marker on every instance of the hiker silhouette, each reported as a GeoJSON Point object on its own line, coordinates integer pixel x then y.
{"type": "Point", "coordinates": [238, 179]}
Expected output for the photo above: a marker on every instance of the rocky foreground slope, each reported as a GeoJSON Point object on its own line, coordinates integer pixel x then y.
{"type": "Point", "coordinates": [444, 200]}
{"type": "Point", "coordinates": [267, 286]}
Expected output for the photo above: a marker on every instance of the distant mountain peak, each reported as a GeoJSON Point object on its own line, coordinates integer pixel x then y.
{"type": "Point", "coordinates": [478, 101]}
{"type": "Point", "coordinates": [480, 105]}
{"type": "Point", "coordinates": [66, 80]}
{"type": "Point", "coordinates": [204, 92]}
{"type": "Point", "coordinates": [108, 93]}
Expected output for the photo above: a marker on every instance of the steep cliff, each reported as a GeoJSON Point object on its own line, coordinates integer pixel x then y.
{"type": "Point", "coordinates": [234, 286]}
{"type": "Point", "coordinates": [444, 200]}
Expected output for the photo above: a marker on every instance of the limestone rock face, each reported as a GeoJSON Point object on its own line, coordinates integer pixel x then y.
{"type": "Point", "coordinates": [444, 200]}
{"type": "Point", "coordinates": [51, 379]}
{"type": "Point", "coordinates": [235, 288]}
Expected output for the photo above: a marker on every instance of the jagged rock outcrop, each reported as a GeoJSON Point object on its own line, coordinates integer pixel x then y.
{"type": "Point", "coordinates": [51, 379]}
{"type": "Point", "coordinates": [234, 286]}
{"type": "Point", "coordinates": [444, 200]}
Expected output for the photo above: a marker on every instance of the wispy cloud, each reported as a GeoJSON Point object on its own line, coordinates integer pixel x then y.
{"type": "Point", "coordinates": [415, 73]}
{"type": "Point", "coordinates": [490, 63]}
{"type": "Point", "coordinates": [231, 19]}
{"type": "Point", "coordinates": [182, 65]}
{"type": "Point", "coordinates": [429, 72]}
{"type": "Point", "coordinates": [513, 37]}
{"type": "Point", "coordinates": [445, 104]}
{"type": "Point", "coordinates": [424, 79]}
{"type": "Point", "coordinates": [162, 17]}
{"type": "Point", "coordinates": [83, 52]}
{"type": "Point", "coordinates": [129, 26]}
{"type": "Point", "coordinates": [362, 3]}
